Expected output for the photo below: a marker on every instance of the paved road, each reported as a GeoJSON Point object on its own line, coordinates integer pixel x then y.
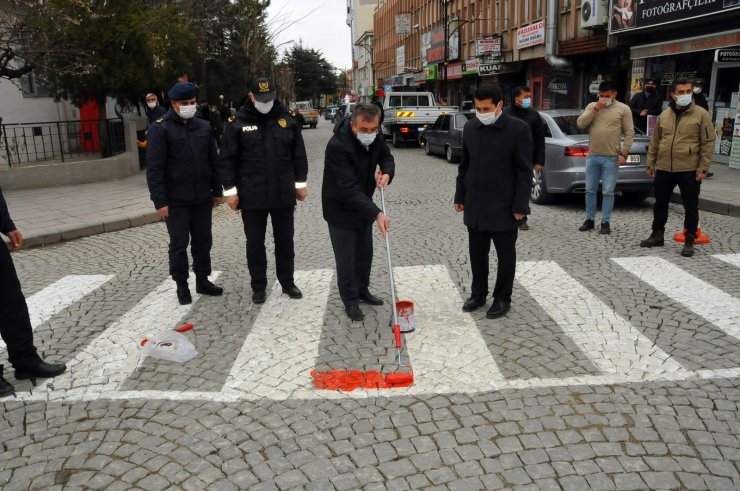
{"type": "Point", "coordinates": [616, 368]}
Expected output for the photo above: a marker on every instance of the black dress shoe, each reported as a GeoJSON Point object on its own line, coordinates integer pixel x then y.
{"type": "Point", "coordinates": [205, 287]}
{"type": "Point", "coordinates": [354, 312]}
{"type": "Point", "coordinates": [498, 308]}
{"type": "Point", "coordinates": [6, 388]}
{"type": "Point", "coordinates": [293, 291]}
{"type": "Point", "coordinates": [259, 296]}
{"type": "Point", "coordinates": [587, 225]}
{"type": "Point", "coordinates": [473, 303]}
{"type": "Point", "coordinates": [183, 294]}
{"type": "Point", "coordinates": [39, 370]}
{"type": "Point", "coordinates": [368, 297]}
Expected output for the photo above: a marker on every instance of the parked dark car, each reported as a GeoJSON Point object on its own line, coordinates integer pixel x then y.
{"type": "Point", "coordinates": [444, 137]}
{"type": "Point", "coordinates": [566, 148]}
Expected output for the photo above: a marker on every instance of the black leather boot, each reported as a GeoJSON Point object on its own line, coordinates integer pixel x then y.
{"type": "Point", "coordinates": [204, 286]}
{"type": "Point", "coordinates": [688, 245]}
{"type": "Point", "coordinates": [655, 240]}
{"type": "Point", "coordinates": [183, 293]}
{"type": "Point", "coordinates": [6, 388]}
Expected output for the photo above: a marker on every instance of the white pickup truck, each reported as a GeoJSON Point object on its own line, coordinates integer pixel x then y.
{"type": "Point", "coordinates": [405, 113]}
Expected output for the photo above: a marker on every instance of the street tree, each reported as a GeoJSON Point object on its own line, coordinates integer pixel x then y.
{"type": "Point", "coordinates": [313, 75]}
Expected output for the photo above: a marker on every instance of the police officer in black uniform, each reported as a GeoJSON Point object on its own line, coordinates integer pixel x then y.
{"type": "Point", "coordinates": [263, 168]}
{"type": "Point", "coordinates": [15, 323]}
{"type": "Point", "coordinates": [183, 184]}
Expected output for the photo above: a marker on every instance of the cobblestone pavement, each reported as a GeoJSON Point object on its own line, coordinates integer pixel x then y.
{"type": "Point", "coordinates": [617, 367]}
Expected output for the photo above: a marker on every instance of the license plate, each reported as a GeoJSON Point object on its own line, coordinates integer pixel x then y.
{"type": "Point", "coordinates": [633, 159]}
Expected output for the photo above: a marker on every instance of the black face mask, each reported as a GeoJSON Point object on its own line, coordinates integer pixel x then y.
{"type": "Point", "coordinates": [649, 90]}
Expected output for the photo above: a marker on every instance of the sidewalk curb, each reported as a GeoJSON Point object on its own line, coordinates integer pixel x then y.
{"type": "Point", "coordinates": [712, 206]}
{"type": "Point", "coordinates": [87, 229]}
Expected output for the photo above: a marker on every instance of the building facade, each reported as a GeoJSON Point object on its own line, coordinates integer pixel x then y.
{"type": "Point", "coordinates": [700, 42]}
{"type": "Point", "coordinates": [557, 47]}
{"type": "Point", "coordinates": [360, 21]}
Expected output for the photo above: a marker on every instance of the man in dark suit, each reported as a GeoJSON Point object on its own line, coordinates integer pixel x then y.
{"type": "Point", "coordinates": [493, 183]}
{"type": "Point", "coordinates": [263, 167]}
{"type": "Point", "coordinates": [181, 159]}
{"type": "Point", "coordinates": [645, 103]}
{"type": "Point", "coordinates": [15, 322]}
{"type": "Point", "coordinates": [522, 109]}
{"type": "Point", "coordinates": [352, 155]}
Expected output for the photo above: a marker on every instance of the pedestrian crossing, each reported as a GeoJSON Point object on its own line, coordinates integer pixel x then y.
{"type": "Point", "coordinates": [447, 351]}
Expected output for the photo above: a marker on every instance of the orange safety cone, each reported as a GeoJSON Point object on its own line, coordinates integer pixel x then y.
{"type": "Point", "coordinates": [700, 237]}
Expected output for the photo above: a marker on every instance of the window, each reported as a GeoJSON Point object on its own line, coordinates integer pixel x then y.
{"type": "Point", "coordinates": [410, 100]}
{"type": "Point", "coordinates": [395, 100]}
{"type": "Point", "coordinates": [461, 119]}
{"type": "Point", "coordinates": [31, 87]}
{"type": "Point", "coordinates": [438, 123]}
{"type": "Point", "coordinates": [445, 123]}
{"type": "Point", "coordinates": [423, 101]}
{"type": "Point", "coordinates": [548, 133]}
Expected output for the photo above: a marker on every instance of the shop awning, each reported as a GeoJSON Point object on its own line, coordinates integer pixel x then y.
{"type": "Point", "coordinates": [686, 45]}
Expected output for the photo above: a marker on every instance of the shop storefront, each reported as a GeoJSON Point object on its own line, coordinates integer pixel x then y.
{"type": "Point", "coordinates": [697, 58]}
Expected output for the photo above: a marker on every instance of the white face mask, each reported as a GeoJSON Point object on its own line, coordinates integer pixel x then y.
{"type": "Point", "coordinates": [487, 118]}
{"type": "Point", "coordinates": [264, 107]}
{"type": "Point", "coordinates": [187, 112]}
{"type": "Point", "coordinates": [607, 101]}
{"type": "Point", "coordinates": [151, 105]}
{"type": "Point", "coordinates": [366, 138]}
{"type": "Point", "coordinates": [683, 100]}
{"type": "Point", "coordinates": [697, 90]}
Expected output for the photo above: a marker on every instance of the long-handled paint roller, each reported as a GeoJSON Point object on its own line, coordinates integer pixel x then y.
{"type": "Point", "coordinates": [398, 378]}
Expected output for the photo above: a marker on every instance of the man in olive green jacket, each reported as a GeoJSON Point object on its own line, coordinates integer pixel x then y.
{"type": "Point", "coordinates": [680, 154]}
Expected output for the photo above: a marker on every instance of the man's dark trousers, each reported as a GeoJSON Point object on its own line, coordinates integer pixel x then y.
{"type": "Point", "coordinates": [186, 223]}
{"type": "Point", "coordinates": [255, 228]}
{"type": "Point", "coordinates": [15, 323]}
{"type": "Point", "coordinates": [353, 252]}
{"type": "Point", "coordinates": [689, 187]}
{"type": "Point", "coordinates": [480, 245]}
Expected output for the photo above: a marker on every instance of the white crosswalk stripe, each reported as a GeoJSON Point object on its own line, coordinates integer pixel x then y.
{"type": "Point", "coordinates": [711, 303]}
{"type": "Point", "coordinates": [611, 342]}
{"type": "Point", "coordinates": [112, 356]}
{"type": "Point", "coordinates": [447, 351]}
{"type": "Point", "coordinates": [280, 351]}
{"type": "Point", "coordinates": [733, 259]}
{"type": "Point", "coordinates": [49, 301]}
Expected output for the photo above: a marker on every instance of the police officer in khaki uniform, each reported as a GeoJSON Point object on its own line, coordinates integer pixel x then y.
{"type": "Point", "coordinates": [263, 168]}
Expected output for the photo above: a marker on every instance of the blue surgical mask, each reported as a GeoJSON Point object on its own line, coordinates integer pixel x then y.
{"type": "Point", "coordinates": [683, 100]}
{"type": "Point", "coordinates": [366, 138]}
{"type": "Point", "coordinates": [526, 103]}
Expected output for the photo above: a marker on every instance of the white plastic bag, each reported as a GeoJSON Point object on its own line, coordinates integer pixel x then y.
{"type": "Point", "coordinates": [169, 345]}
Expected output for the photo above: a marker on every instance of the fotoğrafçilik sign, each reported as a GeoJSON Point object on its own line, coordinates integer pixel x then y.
{"type": "Point", "coordinates": [638, 14]}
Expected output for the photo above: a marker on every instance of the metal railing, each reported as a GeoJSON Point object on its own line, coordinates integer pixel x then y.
{"type": "Point", "coordinates": [60, 141]}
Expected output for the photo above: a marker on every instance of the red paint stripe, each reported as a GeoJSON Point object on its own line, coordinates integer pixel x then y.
{"type": "Point", "coordinates": [349, 380]}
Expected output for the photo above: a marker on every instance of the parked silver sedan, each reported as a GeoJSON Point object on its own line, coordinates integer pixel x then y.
{"type": "Point", "coordinates": [566, 148]}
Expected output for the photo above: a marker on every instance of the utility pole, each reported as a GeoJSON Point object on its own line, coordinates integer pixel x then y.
{"type": "Point", "coordinates": [443, 85]}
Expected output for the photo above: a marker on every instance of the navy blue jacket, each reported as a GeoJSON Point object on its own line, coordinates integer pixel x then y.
{"type": "Point", "coordinates": [495, 174]}
{"type": "Point", "coordinates": [263, 155]}
{"type": "Point", "coordinates": [156, 113]}
{"type": "Point", "coordinates": [6, 224]}
{"type": "Point", "coordinates": [349, 177]}
{"type": "Point", "coordinates": [181, 160]}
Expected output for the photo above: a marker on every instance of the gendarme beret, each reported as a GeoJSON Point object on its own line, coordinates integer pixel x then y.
{"type": "Point", "coordinates": [181, 91]}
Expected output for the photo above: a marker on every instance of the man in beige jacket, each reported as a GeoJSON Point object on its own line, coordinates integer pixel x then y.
{"type": "Point", "coordinates": [680, 154]}
{"type": "Point", "coordinates": [606, 120]}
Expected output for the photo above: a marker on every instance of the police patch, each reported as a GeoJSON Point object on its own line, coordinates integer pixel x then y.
{"type": "Point", "coordinates": [264, 87]}
{"type": "Point", "coordinates": [282, 122]}
{"type": "Point", "coordinates": [249, 128]}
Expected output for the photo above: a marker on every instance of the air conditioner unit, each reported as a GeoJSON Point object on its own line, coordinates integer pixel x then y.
{"type": "Point", "coordinates": [594, 13]}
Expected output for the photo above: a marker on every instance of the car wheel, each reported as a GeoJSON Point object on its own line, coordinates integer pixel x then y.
{"type": "Point", "coordinates": [427, 148]}
{"type": "Point", "coordinates": [635, 196]}
{"type": "Point", "coordinates": [313, 125]}
{"type": "Point", "coordinates": [539, 194]}
{"type": "Point", "coordinates": [450, 155]}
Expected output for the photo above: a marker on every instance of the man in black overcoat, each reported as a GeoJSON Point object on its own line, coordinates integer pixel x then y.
{"type": "Point", "coordinates": [15, 323]}
{"type": "Point", "coordinates": [352, 156]}
{"type": "Point", "coordinates": [493, 183]}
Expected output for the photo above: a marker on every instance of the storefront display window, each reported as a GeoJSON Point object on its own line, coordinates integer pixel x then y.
{"type": "Point", "coordinates": [724, 99]}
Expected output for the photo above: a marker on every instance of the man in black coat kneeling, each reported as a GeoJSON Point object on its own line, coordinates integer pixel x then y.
{"type": "Point", "coordinates": [352, 155]}
{"type": "Point", "coordinates": [493, 185]}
